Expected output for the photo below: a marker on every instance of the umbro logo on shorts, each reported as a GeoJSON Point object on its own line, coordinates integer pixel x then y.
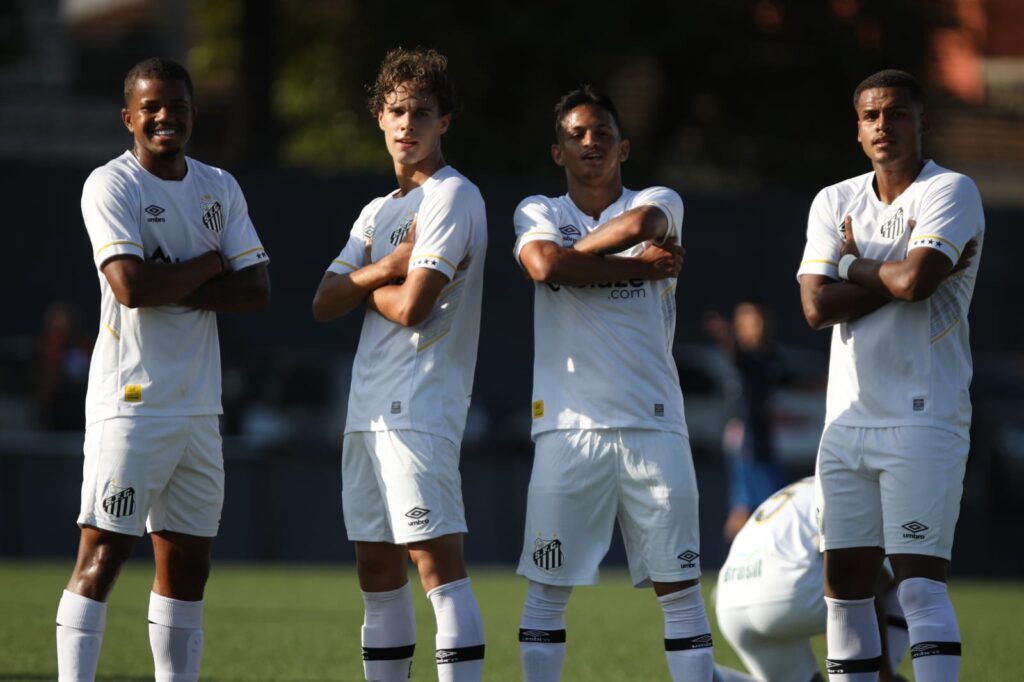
{"type": "Point", "coordinates": [417, 514]}
{"type": "Point", "coordinates": [688, 559]}
{"type": "Point", "coordinates": [915, 530]}
{"type": "Point", "coordinates": [548, 553]}
{"type": "Point", "coordinates": [119, 502]}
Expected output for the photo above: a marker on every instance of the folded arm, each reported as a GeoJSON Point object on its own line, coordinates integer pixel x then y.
{"type": "Point", "coordinates": [827, 302]}
{"type": "Point", "coordinates": [640, 224]}
{"type": "Point", "coordinates": [410, 302]}
{"type": "Point", "coordinates": [547, 262]}
{"type": "Point", "coordinates": [340, 294]}
{"type": "Point", "coordinates": [241, 291]}
{"type": "Point", "coordinates": [914, 278]}
{"type": "Point", "coordinates": [137, 283]}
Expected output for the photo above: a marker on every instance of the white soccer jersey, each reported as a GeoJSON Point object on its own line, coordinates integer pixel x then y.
{"type": "Point", "coordinates": [602, 352]}
{"type": "Point", "coordinates": [905, 363]}
{"type": "Point", "coordinates": [160, 360]}
{"type": "Point", "coordinates": [420, 377]}
{"type": "Point", "coordinates": [775, 558]}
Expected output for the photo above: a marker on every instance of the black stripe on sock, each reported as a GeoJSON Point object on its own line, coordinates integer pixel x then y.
{"type": "Point", "coordinates": [687, 643]}
{"type": "Point", "coordinates": [460, 654]}
{"type": "Point", "coordinates": [896, 622]}
{"type": "Point", "coordinates": [934, 649]}
{"type": "Point", "coordinates": [542, 636]}
{"type": "Point", "coordinates": [853, 665]}
{"type": "Point", "coordinates": [388, 653]}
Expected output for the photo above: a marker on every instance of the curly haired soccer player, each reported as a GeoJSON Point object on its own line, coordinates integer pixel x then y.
{"type": "Point", "coordinates": [414, 260]}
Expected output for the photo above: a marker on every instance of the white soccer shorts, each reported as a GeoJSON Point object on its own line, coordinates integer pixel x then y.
{"type": "Point", "coordinates": [400, 486]}
{"type": "Point", "coordinates": [153, 473]}
{"type": "Point", "coordinates": [583, 480]}
{"type": "Point", "coordinates": [898, 488]}
{"type": "Point", "coordinates": [773, 640]}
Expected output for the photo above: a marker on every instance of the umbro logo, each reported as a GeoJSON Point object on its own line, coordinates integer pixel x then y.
{"type": "Point", "coordinates": [923, 649]}
{"type": "Point", "coordinates": [570, 234]}
{"type": "Point", "coordinates": [418, 516]}
{"type": "Point", "coordinates": [154, 211]}
{"type": "Point", "coordinates": [701, 641]}
{"type": "Point", "coordinates": [915, 530]}
{"type": "Point", "coordinates": [688, 558]}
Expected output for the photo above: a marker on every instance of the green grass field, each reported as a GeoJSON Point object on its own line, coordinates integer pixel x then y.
{"type": "Point", "coordinates": [277, 622]}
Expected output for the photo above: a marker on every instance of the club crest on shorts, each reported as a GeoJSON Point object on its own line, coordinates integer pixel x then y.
{"type": "Point", "coordinates": [118, 501]}
{"type": "Point", "coordinates": [547, 554]}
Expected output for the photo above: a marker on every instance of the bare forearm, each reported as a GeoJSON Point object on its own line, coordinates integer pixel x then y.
{"type": "Point", "coordinates": [576, 268]}
{"type": "Point", "coordinates": [625, 230]}
{"type": "Point", "coordinates": [837, 302]}
{"type": "Point", "coordinates": [137, 283]}
{"type": "Point", "coordinates": [889, 279]}
{"type": "Point", "coordinates": [338, 295]}
{"type": "Point", "coordinates": [243, 291]}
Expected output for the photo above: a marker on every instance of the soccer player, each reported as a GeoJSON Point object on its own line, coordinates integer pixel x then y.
{"type": "Point", "coordinates": [414, 260]}
{"type": "Point", "coordinates": [608, 425]}
{"type": "Point", "coordinates": [173, 245]}
{"type": "Point", "coordinates": [888, 265]}
{"type": "Point", "coordinates": [769, 599]}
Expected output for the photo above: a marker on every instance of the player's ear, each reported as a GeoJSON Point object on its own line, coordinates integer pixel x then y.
{"type": "Point", "coordinates": [380, 119]}
{"type": "Point", "coordinates": [446, 121]}
{"type": "Point", "coordinates": [623, 151]}
{"type": "Point", "coordinates": [556, 154]}
{"type": "Point", "coordinates": [126, 118]}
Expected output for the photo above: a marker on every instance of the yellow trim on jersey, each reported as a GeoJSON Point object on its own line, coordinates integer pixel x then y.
{"type": "Point", "coordinates": [430, 343]}
{"type": "Point", "coordinates": [444, 260]}
{"type": "Point", "coordinates": [668, 291]}
{"type": "Point", "coordinates": [115, 243]}
{"type": "Point", "coordinates": [347, 265]}
{"type": "Point", "coordinates": [455, 283]}
{"type": "Point", "coordinates": [246, 253]}
{"type": "Point", "coordinates": [940, 335]}
{"type": "Point", "coordinates": [111, 330]}
{"type": "Point", "coordinates": [547, 233]}
{"type": "Point", "coordinates": [827, 262]}
{"type": "Point", "coordinates": [935, 236]}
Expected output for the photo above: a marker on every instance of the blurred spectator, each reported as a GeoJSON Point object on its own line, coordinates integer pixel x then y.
{"type": "Point", "coordinates": [752, 470]}
{"type": "Point", "coordinates": [62, 372]}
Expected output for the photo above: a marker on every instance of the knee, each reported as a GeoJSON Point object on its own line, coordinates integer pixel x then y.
{"type": "Point", "coordinates": [916, 594]}
{"type": "Point", "coordinates": [97, 570]}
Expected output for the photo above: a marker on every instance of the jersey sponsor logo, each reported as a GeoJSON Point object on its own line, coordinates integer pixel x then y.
{"type": "Point", "coordinates": [893, 228]}
{"type": "Point", "coordinates": [538, 409]}
{"type": "Point", "coordinates": [688, 559]}
{"type": "Point", "coordinates": [417, 517]}
{"type": "Point", "coordinates": [915, 530]}
{"type": "Point", "coordinates": [154, 212]}
{"type": "Point", "coordinates": [133, 393]}
{"type": "Point", "coordinates": [213, 215]}
{"type": "Point", "coordinates": [547, 554]}
{"type": "Point", "coordinates": [398, 234]}
{"type": "Point", "coordinates": [747, 571]}
{"type": "Point", "coordinates": [117, 501]}
{"type": "Point", "coordinates": [618, 291]}
{"type": "Point", "coordinates": [570, 235]}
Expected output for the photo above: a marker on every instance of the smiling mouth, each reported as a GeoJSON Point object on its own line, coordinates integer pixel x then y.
{"type": "Point", "coordinates": [164, 132]}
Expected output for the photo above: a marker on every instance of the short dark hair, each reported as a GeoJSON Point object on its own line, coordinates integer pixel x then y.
{"type": "Point", "coordinates": [160, 69]}
{"type": "Point", "coordinates": [426, 69]}
{"type": "Point", "coordinates": [890, 78]}
{"type": "Point", "coordinates": [585, 94]}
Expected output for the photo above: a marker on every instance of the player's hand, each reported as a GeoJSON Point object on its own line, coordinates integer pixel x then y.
{"type": "Point", "coordinates": [665, 261]}
{"type": "Point", "coordinates": [849, 246]}
{"type": "Point", "coordinates": [964, 262]}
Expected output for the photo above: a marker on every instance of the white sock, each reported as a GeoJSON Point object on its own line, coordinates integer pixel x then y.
{"type": "Point", "coordinates": [723, 674]}
{"type": "Point", "coordinates": [389, 634]}
{"type": "Point", "coordinates": [854, 645]}
{"type": "Point", "coordinates": [176, 638]}
{"type": "Point", "coordinates": [934, 635]}
{"type": "Point", "coordinates": [896, 634]}
{"type": "Point", "coordinates": [80, 625]}
{"type": "Point", "coordinates": [460, 632]}
{"type": "Point", "coordinates": [542, 632]}
{"type": "Point", "coordinates": [687, 636]}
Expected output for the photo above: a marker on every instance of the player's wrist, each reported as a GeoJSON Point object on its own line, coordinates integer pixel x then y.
{"type": "Point", "coordinates": [844, 266]}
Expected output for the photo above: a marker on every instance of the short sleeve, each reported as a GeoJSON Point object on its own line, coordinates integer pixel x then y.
{"type": "Point", "coordinates": [444, 227]}
{"type": "Point", "coordinates": [240, 244]}
{"type": "Point", "coordinates": [670, 203]}
{"type": "Point", "coordinates": [353, 255]}
{"type": "Point", "coordinates": [110, 208]}
{"type": "Point", "coordinates": [821, 254]}
{"type": "Point", "coordinates": [951, 215]}
{"type": "Point", "coordinates": [535, 219]}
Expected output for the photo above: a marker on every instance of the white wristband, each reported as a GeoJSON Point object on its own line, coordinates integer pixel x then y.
{"type": "Point", "coordinates": [844, 266]}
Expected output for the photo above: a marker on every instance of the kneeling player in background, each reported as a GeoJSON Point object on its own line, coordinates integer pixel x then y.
{"type": "Point", "coordinates": [770, 597]}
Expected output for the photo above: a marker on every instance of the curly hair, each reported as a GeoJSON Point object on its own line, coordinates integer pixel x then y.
{"type": "Point", "coordinates": [159, 69]}
{"type": "Point", "coordinates": [425, 69]}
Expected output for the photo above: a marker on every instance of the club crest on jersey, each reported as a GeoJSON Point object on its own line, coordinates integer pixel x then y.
{"type": "Point", "coordinates": [213, 214]}
{"type": "Point", "coordinates": [547, 554]}
{"type": "Point", "coordinates": [398, 234]}
{"type": "Point", "coordinates": [570, 235]}
{"type": "Point", "coordinates": [893, 228]}
{"type": "Point", "coordinates": [118, 501]}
